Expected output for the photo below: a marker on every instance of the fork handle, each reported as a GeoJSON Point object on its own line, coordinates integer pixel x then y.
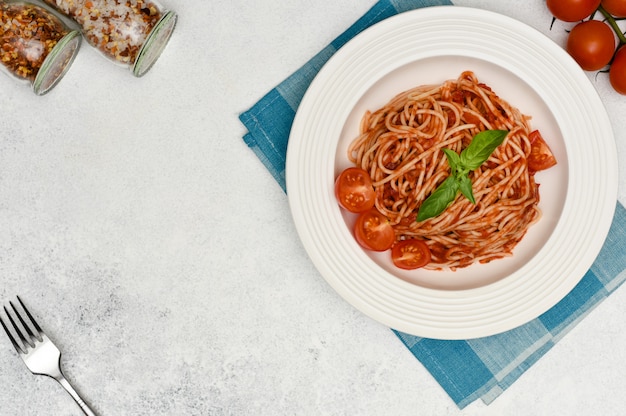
{"type": "Point", "coordinates": [67, 386]}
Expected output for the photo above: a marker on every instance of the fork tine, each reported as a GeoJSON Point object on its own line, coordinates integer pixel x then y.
{"type": "Point", "coordinates": [39, 330]}
{"type": "Point", "coordinates": [21, 348]}
{"type": "Point", "coordinates": [10, 335]}
{"type": "Point", "coordinates": [28, 336]}
{"type": "Point", "coordinates": [32, 320]}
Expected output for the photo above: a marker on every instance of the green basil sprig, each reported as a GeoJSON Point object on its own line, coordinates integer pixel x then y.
{"type": "Point", "coordinates": [474, 155]}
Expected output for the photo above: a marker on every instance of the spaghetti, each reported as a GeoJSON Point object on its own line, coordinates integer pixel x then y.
{"type": "Point", "coordinates": [400, 147]}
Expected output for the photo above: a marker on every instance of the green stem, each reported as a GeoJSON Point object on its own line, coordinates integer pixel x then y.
{"type": "Point", "coordinates": [614, 26]}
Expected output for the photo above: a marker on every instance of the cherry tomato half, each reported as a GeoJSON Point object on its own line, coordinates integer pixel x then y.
{"type": "Point", "coordinates": [410, 254]}
{"type": "Point", "coordinates": [354, 190]}
{"type": "Point", "coordinates": [617, 73]}
{"type": "Point", "coordinates": [615, 7]}
{"type": "Point", "coordinates": [541, 156]}
{"type": "Point", "coordinates": [373, 231]}
{"type": "Point", "coordinates": [572, 10]}
{"type": "Point", "coordinates": [591, 44]}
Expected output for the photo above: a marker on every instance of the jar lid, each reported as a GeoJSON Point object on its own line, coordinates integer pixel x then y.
{"type": "Point", "coordinates": [57, 62]}
{"type": "Point", "coordinates": [154, 44]}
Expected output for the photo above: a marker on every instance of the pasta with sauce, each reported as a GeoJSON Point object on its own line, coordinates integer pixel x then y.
{"type": "Point", "coordinates": [400, 144]}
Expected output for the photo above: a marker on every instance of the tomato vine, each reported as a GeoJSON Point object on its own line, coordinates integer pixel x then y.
{"type": "Point", "coordinates": [613, 23]}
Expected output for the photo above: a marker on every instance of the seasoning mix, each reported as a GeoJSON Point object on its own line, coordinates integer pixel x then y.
{"type": "Point", "coordinates": [35, 45]}
{"type": "Point", "coordinates": [132, 33]}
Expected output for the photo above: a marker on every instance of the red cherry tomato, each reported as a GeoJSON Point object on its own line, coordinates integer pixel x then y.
{"type": "Point", "coordinates": [591, 44]}
{"type": "Point", "coordinates": [572, 10]}
{"type": "Point", "coordinates": [354, 190]}
{"type": "Point", "coordinates": [410, 254]}
{"type": "Point", "coordinates": [541, 156]}
{"type": "Point", "coordinates": [615, 7]}
{"type": "Point", "coordinates": [373, 231]}
{"type": "Point", "coordinates": [617, 73]}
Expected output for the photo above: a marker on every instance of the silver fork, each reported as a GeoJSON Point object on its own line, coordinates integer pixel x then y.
{"type": "Point", "coordinates": [40, 355]}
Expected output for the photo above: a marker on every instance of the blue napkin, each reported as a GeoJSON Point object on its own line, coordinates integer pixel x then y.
{"type": "Point", "coordinates": [467, 370]}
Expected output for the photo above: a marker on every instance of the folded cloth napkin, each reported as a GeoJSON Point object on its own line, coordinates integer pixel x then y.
{"type": "Point", "coordinates": [467, 370]}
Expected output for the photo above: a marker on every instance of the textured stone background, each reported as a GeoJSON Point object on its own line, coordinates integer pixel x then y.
{"type": "Point", "coordinates": [160, 255]}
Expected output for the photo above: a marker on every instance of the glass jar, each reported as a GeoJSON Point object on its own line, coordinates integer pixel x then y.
{"type": "Point", "coordinates": [132, 33]}
{"type": "Point", "coordinates": [35, 45]}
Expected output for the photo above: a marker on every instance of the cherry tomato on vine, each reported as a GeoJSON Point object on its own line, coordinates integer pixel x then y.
{"type": "Point", "coordinates": [541, 156]}
{"type": "Point", "coordinates": [410, 254]}
{"type": "Point", "coordinates": [592, 44]}
{"type": "Point", "coordinates": [373, 231]}
{"type": "Point", "coordinates": [572, 10]}
{"type": "Point", "coordinates": [354, 190]}
{"type": "Point", "coordinates": [617, 73]}
{"type": "Point", "coordinates": [617, 8]}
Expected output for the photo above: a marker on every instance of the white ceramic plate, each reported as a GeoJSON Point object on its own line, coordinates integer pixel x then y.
{"type": "Point", "coordinates": [578, 196]}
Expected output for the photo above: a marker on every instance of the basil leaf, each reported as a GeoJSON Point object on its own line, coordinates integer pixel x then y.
{"type": "Point", "coordinates": [439, 200]}
{"type": "Point", "coordinates": [474, 155]}
{"type": "Point", "coordinates": [454, 160]}
{"type": "Point", "coordinates": [481, 147]}
{"type": "Point", "coordinates": [465, 185]}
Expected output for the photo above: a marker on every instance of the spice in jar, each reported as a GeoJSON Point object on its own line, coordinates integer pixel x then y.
{"type": "Point", "coordinates": [35, 45]}
{"type": "Point", "coordinates": [129, 32]}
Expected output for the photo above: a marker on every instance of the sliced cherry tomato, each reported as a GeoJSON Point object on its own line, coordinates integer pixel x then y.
{"type": "Point", "coordinates": [615, 7]}
{"type": "Point", "coordinates": [354, 190]}
{"type": "Point", "coordinates": [541, 156]}
{"type": "Point", "coordinates": [617, 73]}
{"type": "Point", "coordinates": [572, 10]}
{"type": "Point", "coordinates": [591, 44]}
{"type": "Point", "coordinates": [373, 231]}
{"type": "Point", "coordinates": [410, 254]}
